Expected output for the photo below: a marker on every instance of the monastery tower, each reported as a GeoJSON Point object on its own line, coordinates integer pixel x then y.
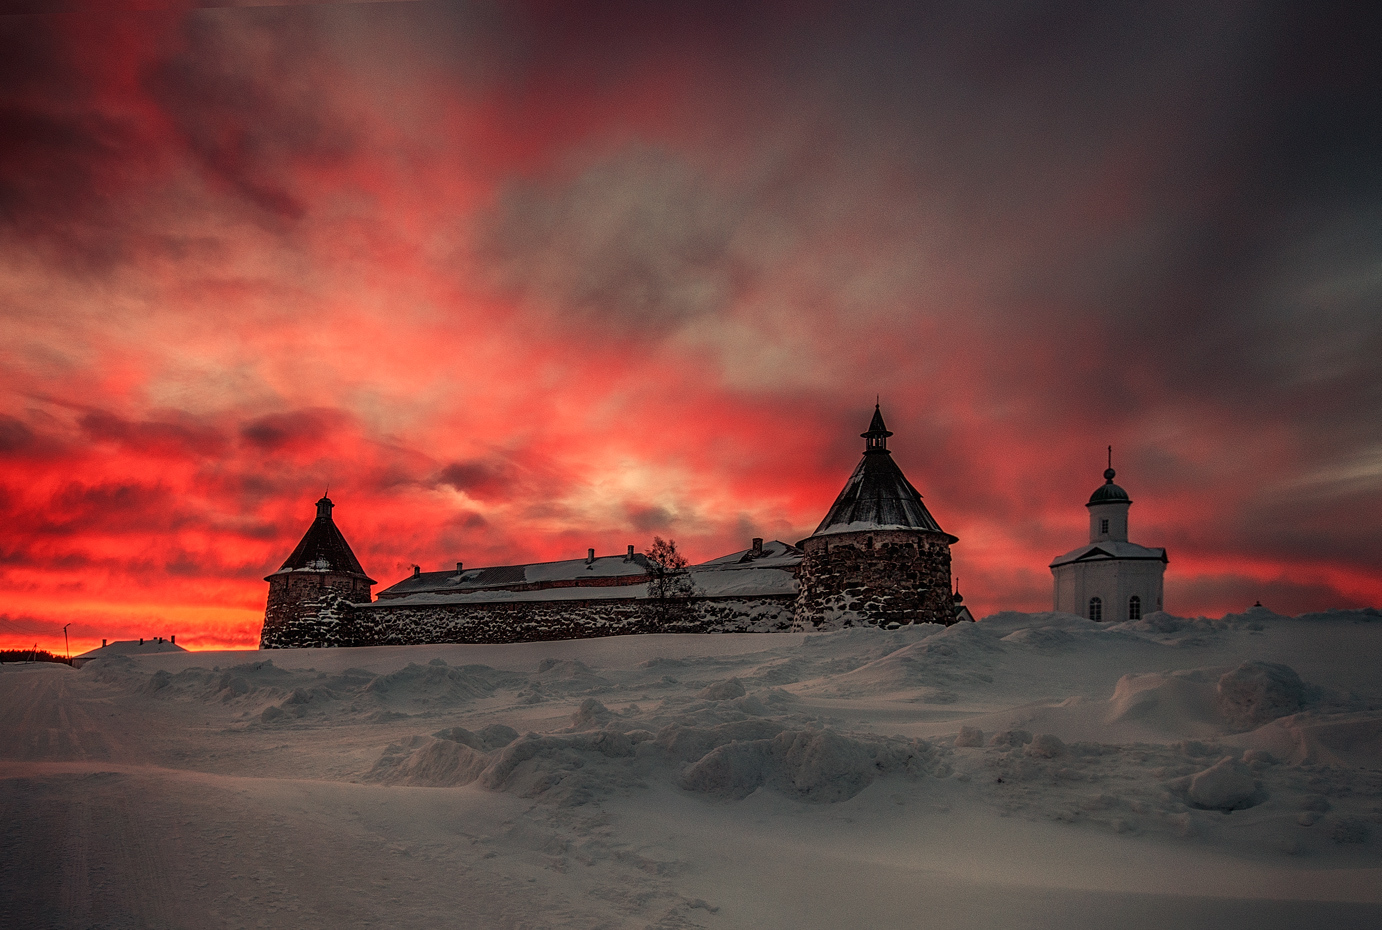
{"type": "Point", "coordinates": [321, 564]}
{"type": "Point", "coordinates": [879, 556]}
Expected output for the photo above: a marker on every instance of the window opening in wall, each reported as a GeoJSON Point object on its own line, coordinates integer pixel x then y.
{"type": "Point", "coordinates": [1134, 608]}
{"type": "Point", "coordinates": [1103, 527]}
{"type": "Point", "coordinates": [869, 543]}
{"type": "Point", "coordinates": [1096, 609]}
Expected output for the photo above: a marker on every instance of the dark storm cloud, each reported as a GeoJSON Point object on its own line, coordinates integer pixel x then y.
{"type": "Point", "coordinates": [483, 479]}
{"type": "Point", "coordinates": [641, 239]}
{"type": "Point", "coordinates": [645, 519]}
{"type": "Point", "coordinates": [175, 434]}
{"type": "Point", "coordinates": [238, 96]}
{"type": "Point", "coordinates": [15, 437]}
{"type": "Point", "coordinates": [61, 156]}
{"type": "Point", "coordinates": [1150, 208]}
{"type": "Point", "coordinates": [294, 430]}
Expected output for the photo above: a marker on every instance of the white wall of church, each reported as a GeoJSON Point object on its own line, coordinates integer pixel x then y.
{"type": "Point", "coordinates": [1114, 581]}
{"type": "Point", "coordinates": [1108, 521]}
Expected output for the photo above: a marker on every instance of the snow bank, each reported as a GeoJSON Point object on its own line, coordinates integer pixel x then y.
{"type": "Point", "coordinates": [810, 765]}
{"type": "Point", "coordinates": [1258, 692]}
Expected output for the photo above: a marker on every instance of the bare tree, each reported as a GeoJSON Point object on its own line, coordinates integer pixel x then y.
{"type": "Point", "coordinates": [668, 577]}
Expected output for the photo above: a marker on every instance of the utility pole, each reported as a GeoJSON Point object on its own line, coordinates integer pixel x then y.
{"type": "Point", "coordinates": [66, 643]}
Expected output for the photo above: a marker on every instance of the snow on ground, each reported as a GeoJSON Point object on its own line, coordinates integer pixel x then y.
{"type": "Point", "coordinates": [1028, 770]}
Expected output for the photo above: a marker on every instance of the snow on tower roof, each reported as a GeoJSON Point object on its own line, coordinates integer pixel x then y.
{"type": "Point", "coordinates": [323, 548]}
{"type": "Point", "coordinates": [878, 496]}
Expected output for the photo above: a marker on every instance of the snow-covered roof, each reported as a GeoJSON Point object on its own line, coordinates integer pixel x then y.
{"type": "Point", "coordinates": [754, 582]}
{"type": "Point", "coordinates": [877, 495]}
{"type": "Point", "coordinates": [773, 554]}
{"type": "Point", "coordinates": [603, 570]}
{"type": "Point", "coordinates": [747, 573]}
{"type": "Point", "coordinates": [132, 647]}
{"type": "Point", "coordinates": [1110, 549]}
{"type": "Point", "coordinates": [322, 548]}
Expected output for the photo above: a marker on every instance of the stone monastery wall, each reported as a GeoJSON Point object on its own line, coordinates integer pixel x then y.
{"type": "Point", "coordinates": [334, 621]}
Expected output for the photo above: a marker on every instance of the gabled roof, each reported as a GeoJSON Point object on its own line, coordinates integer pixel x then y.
{"type": "Point", "coordinates": [877, 495]}
{"type": "Point", "coordinates": [773, 554]}
{"type": "Point", "coordinates": [603, 571]}
{"type": "Point", "coordinates": [1111, 550]}
{"type": "Point", "coordinates": [323, 548]}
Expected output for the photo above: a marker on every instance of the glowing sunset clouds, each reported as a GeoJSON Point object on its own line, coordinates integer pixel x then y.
{"type": "Point", "coordinates": [520, 280]}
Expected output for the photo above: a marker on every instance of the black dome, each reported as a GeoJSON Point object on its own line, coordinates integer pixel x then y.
{"type": "Point", "coordinates": [1108, 492]}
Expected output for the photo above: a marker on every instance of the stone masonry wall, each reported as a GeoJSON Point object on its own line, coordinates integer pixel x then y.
{"type": "Point", "coordinates": [293, 604]}
{"type": "Point", "coordinates": [880, 577]}
{"type": "Point", "coordinates": [333, 621]}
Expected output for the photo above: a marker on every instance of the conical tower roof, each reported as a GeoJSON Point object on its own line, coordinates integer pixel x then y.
{"type": "Point", "coordinates": [323, 548]}
{"type": "Point", "coordinates": [878, 496]}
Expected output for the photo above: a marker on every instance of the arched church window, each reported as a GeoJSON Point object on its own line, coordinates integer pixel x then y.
{"type": "Point", "coordinates": [1096, 609]}
{"type": "Point", "coordinates": [1134, 608]}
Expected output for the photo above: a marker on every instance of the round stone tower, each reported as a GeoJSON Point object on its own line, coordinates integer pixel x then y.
{"type": "Point", "coordinates": [322, 564]}
{"type": "Point", "coordinates": [878, 556]}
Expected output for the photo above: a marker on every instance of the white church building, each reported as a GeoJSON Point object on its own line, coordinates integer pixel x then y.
{"type": "Point", "coordinates": [1110, 578]}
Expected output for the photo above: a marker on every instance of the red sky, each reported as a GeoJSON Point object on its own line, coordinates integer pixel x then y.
{"type": "Point", "coordinates": [519, 279]}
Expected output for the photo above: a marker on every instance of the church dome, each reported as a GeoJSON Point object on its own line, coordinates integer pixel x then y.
{"type": "Point", "coordinates": [1108, 492]}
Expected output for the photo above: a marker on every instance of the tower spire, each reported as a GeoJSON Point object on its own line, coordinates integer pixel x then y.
{"type": "Point", "coordinates": [1109, 472]}
{"type": "Point", "coordinates": [876, 437]}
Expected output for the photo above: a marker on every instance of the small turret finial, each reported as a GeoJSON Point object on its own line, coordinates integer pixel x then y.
{"type": "Point", "coordinates": [1109, 472]}
{"type": "Point", "coordinates": [877, 433]}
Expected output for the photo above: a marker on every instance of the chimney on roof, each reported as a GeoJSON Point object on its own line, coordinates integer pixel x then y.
{"type": "Point", "coordinates": [173, 639]}
{"type": "Point", "coordinates": [103, 644]}
{"type": "Point", "coordinates": [417, 570]}
{"type": "Point", "coordinates": [460, 567]}
{"type": "Point", "coordinates": [757, 546]}
{"type": "Point", "coordinates": [590, 556]}
{"type": "Point", "coordinates": [141, 640]}
{"type": "Point", "coordinates": [629, 557]}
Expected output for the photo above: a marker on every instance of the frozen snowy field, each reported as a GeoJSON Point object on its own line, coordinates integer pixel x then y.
{"type": "Point", "coordinates": [1025, 771]}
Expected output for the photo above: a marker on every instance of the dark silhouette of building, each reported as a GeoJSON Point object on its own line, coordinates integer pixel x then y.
{"type": "Point", "coordinates": [321, 573]}
{"type": "Point", "coordinates": [878, 556]}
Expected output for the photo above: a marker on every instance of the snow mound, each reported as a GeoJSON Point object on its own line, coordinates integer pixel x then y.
{"type": "Point", "coordinates": [970, 737]}
{"type": "Point", "coordinates": [1227, 785]}
{"type": "Point", "coordinates": [453, 756]}
{"type": "Point", "coordinates": [1349, 739]}
{"type": "Point", "coordinates": [433, 684]}
{"type": "Point", "coordinates": [948, 658]}
{"type": "Point", "coordinates": [682, 744]}
{"type": "Point", "coordinates": [1176, 702]}
{"type": "Point", "coordinates": [569, 675]}
{"type": "Point", "coordinates": [427, 761]}
{"type": "Point", "coordinates": [811, 765]}
{"type": "Point", "coordinates": [726, 690]}
{"type": "Point", "coordinates": [591, 715]}
{"type": "Point", "coordinates": [1258, 692]}
{"type": "Point", "coordinates": [568, 769]}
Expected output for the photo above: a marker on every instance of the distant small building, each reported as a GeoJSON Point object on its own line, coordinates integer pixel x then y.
{"type": "Point", "coordinates": [1109, 578]}
{"type": "Point", "coordinates": [129, 647]}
